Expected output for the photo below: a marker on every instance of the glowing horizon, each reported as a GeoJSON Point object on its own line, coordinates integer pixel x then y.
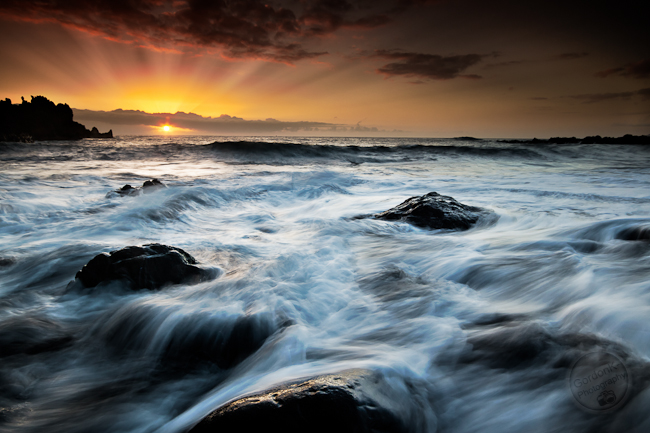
{"type": "Point", "coordinates": [429, 69]}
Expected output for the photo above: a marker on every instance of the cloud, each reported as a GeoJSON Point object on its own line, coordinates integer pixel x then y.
{"type": "Point", "coordinates": [644, 93]}
{"type": "Point", "coordinates": [502, 64]}
{"type": "Point", "coordinates": [223, 124]}
{"type": "Point", "coordinates": [570, 56]}
{"type": "Point", "coordinates": [638, 70]}
{"type": "Point", "coordinates": [427, 66]}
{"type": "Point", "coordinates": [592, 98]}
{"type": "Point", "coordinates": [327, 16]}
{"type": "Point", "coordinates": [250, 29]}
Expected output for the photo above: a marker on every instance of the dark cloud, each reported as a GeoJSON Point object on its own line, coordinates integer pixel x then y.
{"type": "Point", "coordinates": [592, 98]}
{"type": "Point", "coordinates": [258, 29]}
{"type": "Point", "coordinates": [635, 70]}
{"type": "Point", "coordinates": [327, 16]}
{"type": "Point", "coordinates": [428, 66]}
{"type": "Point", "coordinates": [502, 64]}
{"type": "Point", "coordinates": [644, 93]}
{"type": "Point", "coordinates": [223, 124]}
{"type": "Point", "coordinates": [570, 56]}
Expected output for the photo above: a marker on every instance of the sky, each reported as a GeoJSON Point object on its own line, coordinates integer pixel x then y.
{"type": "Point", "coordinates": [412, 68]}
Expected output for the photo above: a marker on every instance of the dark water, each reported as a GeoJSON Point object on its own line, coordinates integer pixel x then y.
{"type": "Point", "coordinates": [485, 324]}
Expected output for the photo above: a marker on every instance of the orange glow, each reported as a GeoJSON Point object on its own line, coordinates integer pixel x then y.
{"type": "Point", "coordinates": [168, 129]}
{"type": "Point", "coordinates": [93, 73]}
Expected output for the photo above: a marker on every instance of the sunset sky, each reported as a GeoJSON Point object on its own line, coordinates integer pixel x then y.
{"type": "Point", "coordinates": [440, 68]}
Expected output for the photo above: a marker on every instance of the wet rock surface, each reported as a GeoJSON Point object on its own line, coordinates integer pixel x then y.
{"type": "Point", "coordinates": [147, 187]}
{"type": "Point", "coordinates": [150, 266]}
{"type": "Point", "coordinates": [434, 211]}
{"type": "Point", "coordinates": [349, 401]}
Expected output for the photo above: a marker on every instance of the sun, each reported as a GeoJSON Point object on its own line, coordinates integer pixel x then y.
{"type": "Point", "coordinates": [167, 128]}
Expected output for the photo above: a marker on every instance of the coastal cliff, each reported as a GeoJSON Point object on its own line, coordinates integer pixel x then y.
{"type": "Point", "coordinates": [41, 119]}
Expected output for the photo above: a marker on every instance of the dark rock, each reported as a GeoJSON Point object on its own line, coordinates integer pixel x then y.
{"type": "Point", "coordinates": [521, 345]}
{"type": "Point", "coordinates": [6, 261]}
{"type": "Point", "coordinates": [222, 344]}
{"type": "Point", "coordinates": [434, 211]}
{"type": "Point", "coordinates": [150, 266]}
{"type": "Point", "coordinates": [126, 190]}
{"type": "Point", "coordinates": [152, 185]}
{"type": "Point", "coordinates": [41, 119]}
{"type": "Point", "coordinates": [510, 345]}
{"type": "Point", "coordinates": [147, 187]}
{"type": "Point", "coordinates": [467, 139]}
{"type": "Point", "coordinates": [350, 401]}
{"type": "Point", "coordinates": [94, 133]}
{"type": "Point", "coordinates": [639, 233]}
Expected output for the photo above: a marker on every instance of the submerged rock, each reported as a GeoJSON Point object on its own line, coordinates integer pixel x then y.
{"type": "Point", "coordinates": [31, 336]}
{"type": "Point", "coordinates": [350, 401]}
{"type": "Point", "coordinates": [434, 211]}
{"type": "Point", "coordinates": [223, 344]}
{"type": "Point", "coordinates": [6, 261]}
{"type": "Point", "coordinates": [514, 343]}
{"type": "Point", "coordinates": [147, 187]}
{"type": "Point", "coordinates": [638, 233]}
{"type": "Point", "coordinates": [150, 266]}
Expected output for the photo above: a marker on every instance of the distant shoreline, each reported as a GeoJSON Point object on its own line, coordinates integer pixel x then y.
{"type": "Point", "coordinates": [596, 139]}
{"type": "Point", "coordinates": [41, 120]}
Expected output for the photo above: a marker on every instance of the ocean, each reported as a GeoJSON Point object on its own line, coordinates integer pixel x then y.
{"type": "Point", "coordinates": [478, 330]}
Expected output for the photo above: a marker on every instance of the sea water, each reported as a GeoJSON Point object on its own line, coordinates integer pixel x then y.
{"type": "Point", "coordinates": [482, 325]}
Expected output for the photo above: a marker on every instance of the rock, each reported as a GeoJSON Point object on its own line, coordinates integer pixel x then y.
{"type": "Point", "coordinates": [150, 266]}
{"type": "Point", "coordinates": [125, 190]}
{"type": "Point", "coordinates": [638, 233]}
{"type": "Point", "coordinates": [94, 133]}
{"type": "Point", "coordinates": [41, 119]}
{"type": "Point", "coordinates": [350, 401]}
{"type": "Point", "coordinates": [147, 187]}
{"type": "Point", "coordinates": [434, 211]}
{"type": "Point", "coordinates": [152, 185]}
{"type": "Point", "coordinates": [520, 345]}
{"type": "Point", "coordinates": [223, 344]}
{"type": "Point", "coordinates": [6, 261]}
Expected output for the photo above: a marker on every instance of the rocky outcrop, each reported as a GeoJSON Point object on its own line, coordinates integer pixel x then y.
{"type": "Point", "coordinates": [94, 133]}
{"type": "Point", "coordinates": [434, 211]}
{"type": "Point", "coordinates": [150, 266]}
{"type": "Point", "coordinates": [41, 119]}
{"type": "Point", "coordinates": [349, 401]}
{"type": "Point", "coordinates": [147, 187]}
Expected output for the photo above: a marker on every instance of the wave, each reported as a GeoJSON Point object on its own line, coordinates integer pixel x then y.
{"type": "Point", "coordinates": [358, 154]}
{"type": "Point", "coordinates": [623, 229]}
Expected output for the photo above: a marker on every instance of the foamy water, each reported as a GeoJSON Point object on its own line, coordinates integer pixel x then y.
{"type": "Point", "coordinates": [483, 323]}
